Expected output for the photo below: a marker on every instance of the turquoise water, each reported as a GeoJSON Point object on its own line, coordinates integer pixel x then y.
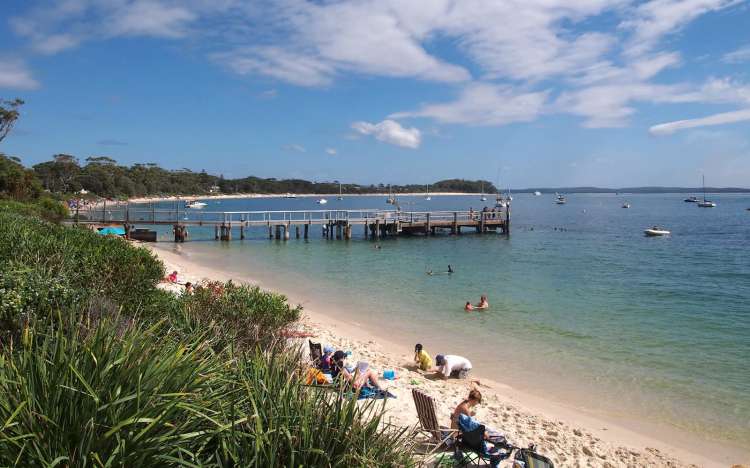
{"type": "Point", "coordinates": [623, 324]}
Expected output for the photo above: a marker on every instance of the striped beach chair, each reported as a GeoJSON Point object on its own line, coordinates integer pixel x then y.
{"type": "Point", "coordinates": [437, 436]}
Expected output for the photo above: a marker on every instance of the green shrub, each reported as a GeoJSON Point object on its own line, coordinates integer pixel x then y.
{"type": "Point", "coordinates": [119, 394]}
{"type": "Point", "coordinates": [245, 316]}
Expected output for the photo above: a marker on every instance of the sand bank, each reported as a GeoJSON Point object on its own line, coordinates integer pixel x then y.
{"type": "Point", "coordinates": [281, 195]}
{"type": "Point", "coordinates": [569, 436]}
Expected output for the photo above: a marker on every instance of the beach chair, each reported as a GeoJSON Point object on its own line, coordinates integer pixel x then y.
{"type": "Point", "coordinates": [470, 447]}
{"type": "Point", "coordinates": [316, 352]}
{"type": "Point", "coordinates": [531, 459]}
{"type": "Point", "coordinates": [437, 436]}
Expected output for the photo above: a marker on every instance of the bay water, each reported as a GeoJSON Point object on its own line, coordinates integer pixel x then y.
{"type": "Point", "coordinates": [584, 308]}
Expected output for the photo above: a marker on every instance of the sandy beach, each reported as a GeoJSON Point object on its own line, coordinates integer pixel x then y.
{"type": "Point", "coordinates": [281, 195]}
{"type": "Point", "coordinates": [569, 436]}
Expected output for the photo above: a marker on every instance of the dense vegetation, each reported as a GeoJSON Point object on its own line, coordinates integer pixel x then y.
{"type": "Point", "coordinates": [98, 367]}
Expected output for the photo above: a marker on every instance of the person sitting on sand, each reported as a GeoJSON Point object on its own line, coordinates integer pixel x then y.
{"type": "Point", "coordinates": [364, 376]}
{"type": "Point", "coordinates": [422, 358]}
{"type": "Point", "coordinates": [483, 304]}
{"type": "Point", "coordinates": [326, 360]}
{"type": "Point", "coordinates": [452, 366]}
{"type": "Point", "coordinates": [468, 307]}
{"type": "Point", "coordinates": [337, 365]}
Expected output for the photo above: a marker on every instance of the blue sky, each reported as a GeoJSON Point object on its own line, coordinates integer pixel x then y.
{"type": "Point", "coordinates": [545, 93]}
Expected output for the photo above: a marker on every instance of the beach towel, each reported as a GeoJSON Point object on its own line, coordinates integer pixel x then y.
{"type": "Point", "coordinates": [375, 393]}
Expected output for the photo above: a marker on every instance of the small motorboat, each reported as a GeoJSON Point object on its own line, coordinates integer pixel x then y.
{"type": "Point", "coordinates": [290, 195]}
{"type": "Point", "coordinates": [656, 231]}
{"type": "Point", "coordinates": [626, 205]}
{"type": "Point", "coordinates": [561, 200]}
{"type": "Point", "coordinates": [195, 204]}
{"type": "Point", "coordinates": [322, 201]}
{"type": "Point", "coordinates": [537, 193]}
{"type": "Point", "coordinates": [691, 200]}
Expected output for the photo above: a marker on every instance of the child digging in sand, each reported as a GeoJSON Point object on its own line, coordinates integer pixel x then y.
{"type": "Point", "coordinates": [423, 360]}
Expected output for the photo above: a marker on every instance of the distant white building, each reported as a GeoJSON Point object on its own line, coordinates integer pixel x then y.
{"type": "Point", "coordinates": [214, 189]}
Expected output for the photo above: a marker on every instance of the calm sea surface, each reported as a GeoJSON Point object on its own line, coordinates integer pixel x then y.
{"type": "Point", "coordinates": [584, 308]}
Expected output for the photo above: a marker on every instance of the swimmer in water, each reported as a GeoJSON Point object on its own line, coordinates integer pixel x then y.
{"type": "Point", "coordinates": [483, 304]}
{"type": "Point", "coordinates": [468, 307]}
{"type": "Point", "coordinates": [450, 269]}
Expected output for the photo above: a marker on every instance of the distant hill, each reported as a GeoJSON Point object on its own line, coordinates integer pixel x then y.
{"type": "Point", "coordinates": [633, 190]}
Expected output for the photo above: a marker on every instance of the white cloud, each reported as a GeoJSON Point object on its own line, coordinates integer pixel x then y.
{"type": "Point", "coordinates": [740, 55]}
{"type": "Point", "coordinates": [15, 75]}
{"type": "Point", "coordinates": [276, 62]}
{"type": "Point", "coordinates": [484, 104]}
{"type": "Point", "coordinates": [656, 18]}
{"type": "Point", "coordinates": [331, 151]}
{"type": "Point", "coordinates": [390, 131]}
{"type": "Point", "coordinates": [294, 147]}
{"type": "Point", "coordinates": [716, 119]}
{"type": "Point", "coordinates": [149, 18]}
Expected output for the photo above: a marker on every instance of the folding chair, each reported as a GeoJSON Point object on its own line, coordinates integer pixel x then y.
{"type": "Point", "coordinates": [437, 436]}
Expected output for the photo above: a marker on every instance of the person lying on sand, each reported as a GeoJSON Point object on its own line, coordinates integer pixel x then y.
{"type": "Point", "coordinates": [423, 360]}
{"type": "Point", "coordinates": [452, 366]}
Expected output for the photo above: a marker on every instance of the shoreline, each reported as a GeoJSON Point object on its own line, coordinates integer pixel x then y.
{"type": "Point", "coordinates": [282, 195]}
{"type": "Point", "coordinates": [569, 435]}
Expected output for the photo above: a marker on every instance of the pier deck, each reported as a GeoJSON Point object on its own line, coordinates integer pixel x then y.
{"type": "Point", "coordinates": [334, 223]}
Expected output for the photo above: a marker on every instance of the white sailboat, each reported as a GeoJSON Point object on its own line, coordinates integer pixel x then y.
{"type": "Point", "coordinates": [427, 196]}
{"type": "Point", "coordinates": [706, 203]}
{"type": "Point", "coordinates": [483, 198]}
{"type": "Point", "coordinates": [391, 199]}
{"type": "Point", "coordinates": [340, 197]}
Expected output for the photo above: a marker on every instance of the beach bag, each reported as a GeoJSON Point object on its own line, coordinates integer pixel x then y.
{"type": "Point", "coordinates": [528, 458]}
{"type": "Point", "coordinates": [315, 377]}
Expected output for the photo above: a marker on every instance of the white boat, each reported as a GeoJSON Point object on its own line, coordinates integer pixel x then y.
{"type": "Point", "coordinates": [195, 204]}
{"type": "Point", "coordinates": [500, 202]}
{"type": "Point", "coordinates": [560, 200]}
{"type": "Point", "coordinates": [391, 199]}
{"type": "Point", "coordinates": [322, 201]}
{"type": "Point", "coordinates": [626, 205]}
{"type": "Point", "coordinates": [706, 203]}
{"type": "Point", "coordinates": [427, 196]}
{"type": "Point", "coordinates": [691, 200]}
{"type": "Point", "coordinates": [537, 193]}
{"type": "Point", "coordinates": [483, 198]}
{"type": "Point", "coordinates": [656, 231]}
{"type": "Point", "coordinates": [340, 197]}
{"type": "Point", "coordinates": [290, 195]}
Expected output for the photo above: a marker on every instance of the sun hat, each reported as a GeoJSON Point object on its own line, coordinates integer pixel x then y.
{"type": "Point", "coordinates": [328, 349]}
{"type": "Point", "coordinates": [362, 366]}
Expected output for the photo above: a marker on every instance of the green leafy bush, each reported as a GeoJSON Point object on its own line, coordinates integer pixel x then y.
{"type": "Point", "coordinates": [244, 316]}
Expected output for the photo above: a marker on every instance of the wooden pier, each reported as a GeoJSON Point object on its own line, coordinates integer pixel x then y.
{"type": "Point", "coordinates": [334, 224]}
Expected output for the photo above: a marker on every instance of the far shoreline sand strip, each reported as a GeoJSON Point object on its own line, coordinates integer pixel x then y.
{"type": "Point", "coordinates": [568, 435]}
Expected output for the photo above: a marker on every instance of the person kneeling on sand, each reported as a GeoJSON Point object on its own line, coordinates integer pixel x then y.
{"type": "Point", "coordinates": [423, 360]}
{"type": "Point", "coordinates": [452, 366]}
